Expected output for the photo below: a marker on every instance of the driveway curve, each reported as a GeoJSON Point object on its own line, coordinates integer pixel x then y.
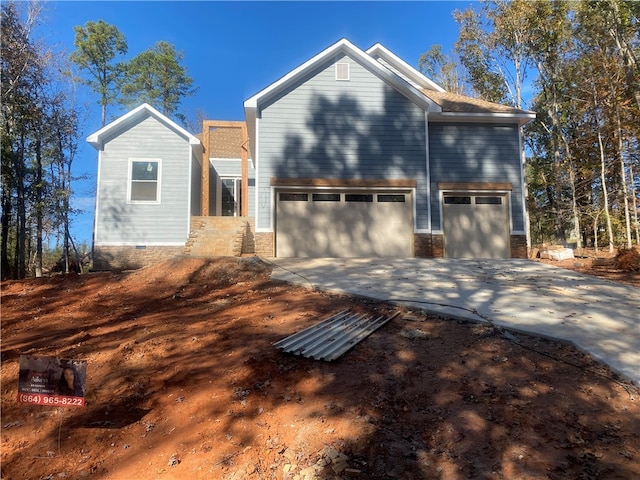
{"type": "Point", "coordinates": [597, 316]}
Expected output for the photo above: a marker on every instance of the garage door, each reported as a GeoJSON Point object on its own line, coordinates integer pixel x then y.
{"type": "Point", "coordinates": [342, 224]}
{"type": "Point", "coordinates": [476, 226]}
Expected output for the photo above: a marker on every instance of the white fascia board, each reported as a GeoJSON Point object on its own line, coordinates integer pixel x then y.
{"type": "Point", "coordinates": [189, 188]}
{"type": "Point", "coordinates": [519, 118]}
{"type": "Point", "coordinates": [381, 51]}
{"type": "Point", "coordinates": [290, 77]}
{"type": "Point", "coordinates": [250, 120]}
{"type": "Point", "coordinates": [97, 139]}
{"type": "Point", "coordinates": [346, 47]}
{"type": "Point", "coordinates": [97, 198]}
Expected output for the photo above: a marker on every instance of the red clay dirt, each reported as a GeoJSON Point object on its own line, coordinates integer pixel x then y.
{"type": "Point", "coordinates": [183, 382]}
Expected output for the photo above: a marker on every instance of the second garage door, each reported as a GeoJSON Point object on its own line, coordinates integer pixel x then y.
{"type": "Point", "coordinates": [476, 226]}
{"type": "Point", "coordinates": [341, 224]}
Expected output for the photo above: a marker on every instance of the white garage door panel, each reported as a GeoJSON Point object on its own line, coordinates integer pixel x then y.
{"type": "Point", "coordinates": [344, 228]}
{"type": "Point", "coordinates": [477, 229]}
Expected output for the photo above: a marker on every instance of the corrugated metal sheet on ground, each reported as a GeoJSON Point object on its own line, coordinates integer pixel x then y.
{"type": "Point", "coordinates": [332, 337]}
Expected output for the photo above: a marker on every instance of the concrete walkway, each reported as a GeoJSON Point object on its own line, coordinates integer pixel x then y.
{"type": "Point", "coordinates": [597, 316]}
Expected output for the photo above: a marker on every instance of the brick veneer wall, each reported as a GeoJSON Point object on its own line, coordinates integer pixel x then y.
{"type": "Point", "coordinates": [519, 246]}
{"type": "Point", "coordinates": [422, 245]}
{"type": "Point", "coordinates": [437, 246]}
{"type": "Point", "coordinates": [264, 244]}
{"type": "Point", "coordinates": [131, 257]}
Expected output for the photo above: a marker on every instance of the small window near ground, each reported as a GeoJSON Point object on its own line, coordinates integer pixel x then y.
{"type": "Point", "coordinates": [294, 197]}
{"type": "Point", "coordinates": [391, 198]}
{"type": "Point", "coordinates": [145, 177]}
{"type": "Point", "coordinates": [457, 200]}
{"type": "Point", "coordinates": [357, 197]}
{"type": "Point", "coordinates": [488, 200]}
{"type": "Point", "coordinates": [326, 197]}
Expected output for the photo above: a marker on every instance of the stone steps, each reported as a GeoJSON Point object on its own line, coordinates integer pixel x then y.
{"type": "Point", "coordinates": [220, 236]}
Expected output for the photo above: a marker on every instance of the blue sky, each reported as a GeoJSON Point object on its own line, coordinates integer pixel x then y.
{"type": "Point", "coordinates": [232, 50]}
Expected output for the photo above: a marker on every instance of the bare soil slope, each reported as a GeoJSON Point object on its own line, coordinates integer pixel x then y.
{"type": "Point", "coordinates": [183, 382]}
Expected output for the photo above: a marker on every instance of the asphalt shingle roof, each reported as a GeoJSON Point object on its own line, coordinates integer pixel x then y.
{"type": "Point", "coordinates": [451, 102]}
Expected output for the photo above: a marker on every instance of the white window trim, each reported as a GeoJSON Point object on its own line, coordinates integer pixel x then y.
{"type": "Point", "coordinates": [129, 180]}
{"type": "Point", "coordinates": [348, 72]}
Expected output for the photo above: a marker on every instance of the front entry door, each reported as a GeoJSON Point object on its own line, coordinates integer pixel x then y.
{"type": "Point", "coordinates": [231, 195]}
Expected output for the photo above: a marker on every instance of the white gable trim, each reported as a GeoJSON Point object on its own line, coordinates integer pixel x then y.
{"type": "Point", "coordinates": [348, 48]}
{"type": "Point", "coordinates": [380, 51]}
{"type": "Point", "coordinates": [97, 139]}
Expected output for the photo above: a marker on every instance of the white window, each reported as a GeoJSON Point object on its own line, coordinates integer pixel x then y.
{"type": "Point", "coordinates": [144, 180]}
{"type": "Point", "coordinates": [342, 71]}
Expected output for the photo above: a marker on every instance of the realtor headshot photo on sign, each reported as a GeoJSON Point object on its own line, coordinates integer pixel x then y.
{"type": "Point", "coordinates": [70, 383]}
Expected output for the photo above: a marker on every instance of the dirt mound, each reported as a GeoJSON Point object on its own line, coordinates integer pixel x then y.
{"type": "Point", "coordinates": [628, 260]}
{"type": "Point", "coordinates": [603, 264]}
{"type": "Point", "coordinates": [218, 272]}
{"type": "Point", "coordinates": [183, 381]}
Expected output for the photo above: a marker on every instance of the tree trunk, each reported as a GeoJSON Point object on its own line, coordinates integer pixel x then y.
{"type": "Point", "coordinates": [627, 54]}
{"type": "Point", "coordinates": [605, 194]}
{"type": "Point", "coordinates": [635, 206]}
{"type": "Point", "coordinates": [21, 209]}
{"type": "Point", "coordinates": [623, 180]}
{"type": "Point", "coordinates": [595, 233]}
{"type": "Point", "coordinates": [39, 207]}
{"type": "Point", "coordinates": [574, 205]}
{"type": "Point", "coordinates": [5, 266]}
{"type": "Point", "coordinates": [559, 231]}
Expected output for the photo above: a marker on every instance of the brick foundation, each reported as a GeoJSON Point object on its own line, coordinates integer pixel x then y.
{"type": "Point", "coordinates": [131, 257]}
{"type": "Point", "coordinates": [426, 245]}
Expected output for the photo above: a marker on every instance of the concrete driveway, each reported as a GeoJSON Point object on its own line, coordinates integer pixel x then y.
{"type": "Point", "coordinates": [597, 316]}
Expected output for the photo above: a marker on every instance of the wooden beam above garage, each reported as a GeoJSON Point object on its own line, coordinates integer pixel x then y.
{"type": "Point", "coordinates": [470, 186]}
{"type": "Point", "coordinates": [343, 183]}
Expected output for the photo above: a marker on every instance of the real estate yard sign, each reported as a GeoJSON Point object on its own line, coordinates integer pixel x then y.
{"type": "Point", "coordinates": [52, 381]}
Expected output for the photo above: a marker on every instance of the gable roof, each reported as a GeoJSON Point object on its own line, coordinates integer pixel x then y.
{"type": "Point", "coordinates": [394, 63]}
{"type": "Point", "coordinates": [133, 117]}
{"type": "Point", "coordinates": [408, 81]}
{"type": "Point", "coordinates": [342, 46]}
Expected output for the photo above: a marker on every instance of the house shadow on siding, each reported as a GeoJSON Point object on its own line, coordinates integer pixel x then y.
{"type": "Point", "coordinates": [342, 140]}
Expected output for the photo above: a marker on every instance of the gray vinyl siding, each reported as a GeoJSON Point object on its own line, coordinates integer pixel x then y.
{"type": "Point", "coordinates": [233, 168]}
{"type": "Point", "coordinates": [475, 153]}
{"type": "Point", "coordinates": [356, 129]}
{"type": "Point", "coordinates": [119, 222]}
